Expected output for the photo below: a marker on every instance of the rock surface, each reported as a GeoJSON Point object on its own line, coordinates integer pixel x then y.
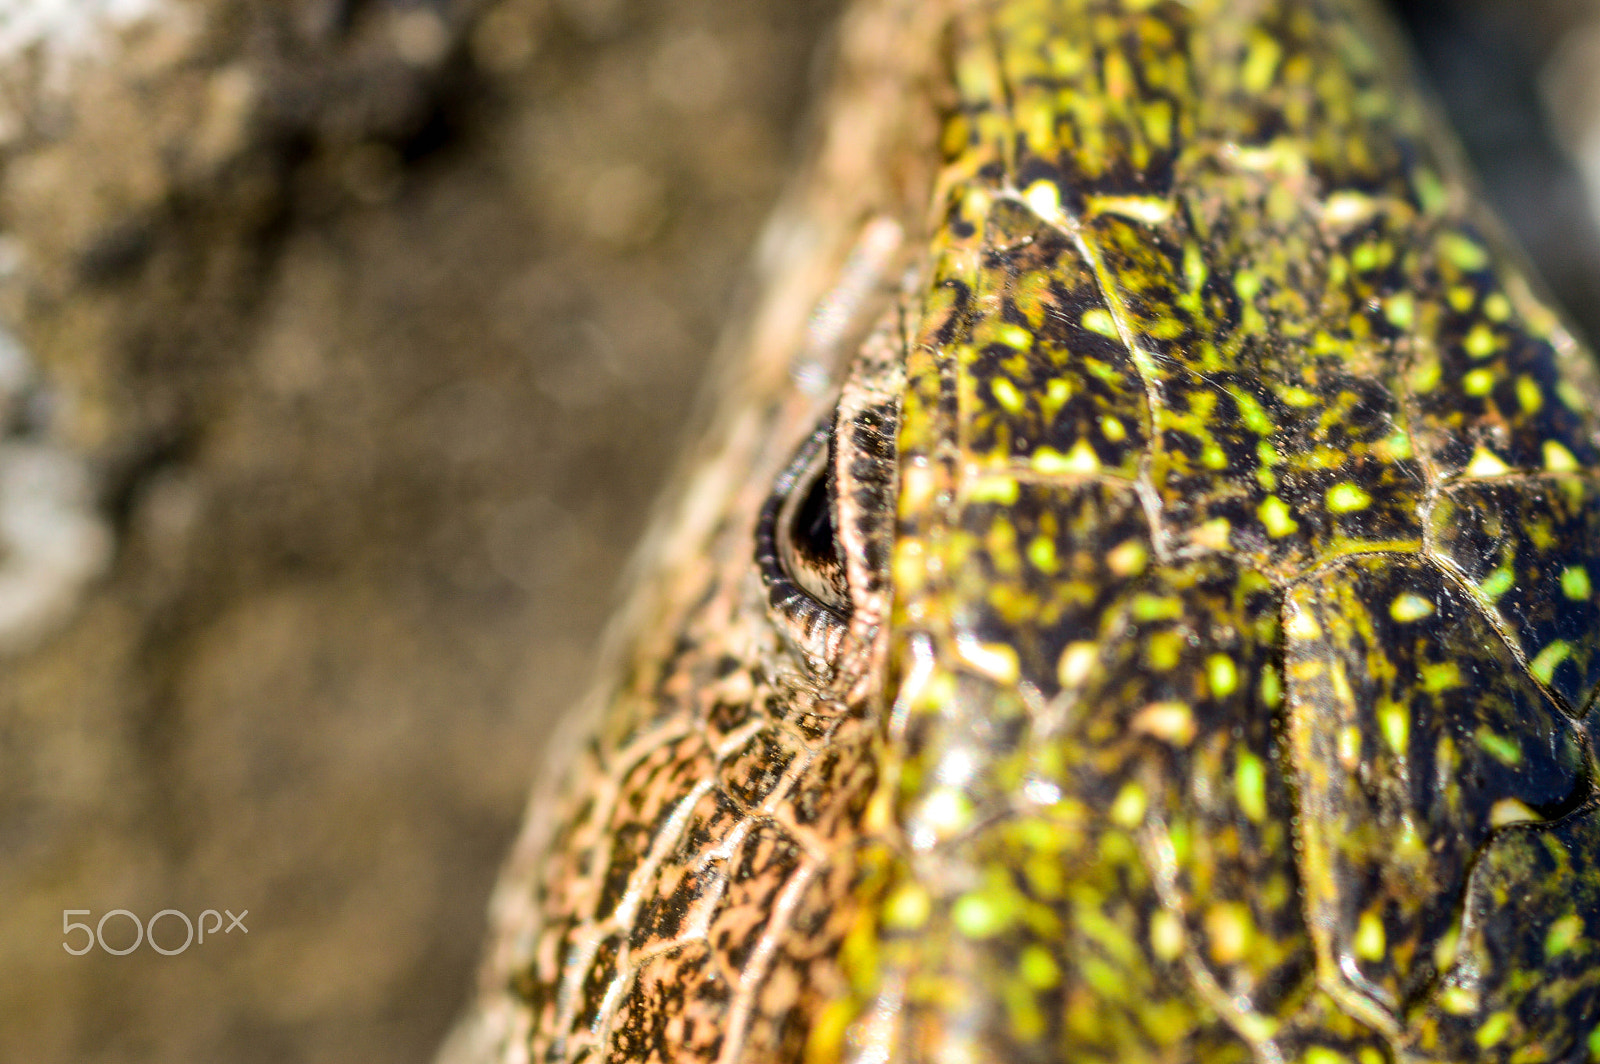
{"type": "Point", "coordinates": [371, 330]}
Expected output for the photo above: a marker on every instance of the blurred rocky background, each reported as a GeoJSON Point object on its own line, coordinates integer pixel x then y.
{"type": "Point", "coordinates": [350, 342]}
{"type": "Point", "coordinates": [343, 346]}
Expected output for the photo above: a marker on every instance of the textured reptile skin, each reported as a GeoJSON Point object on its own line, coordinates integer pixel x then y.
{"type": "Point", "coordinates": [1218, 690]}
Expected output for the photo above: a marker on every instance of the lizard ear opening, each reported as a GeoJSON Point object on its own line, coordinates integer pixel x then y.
{"type": "Point", "coordinates": [799, 554]}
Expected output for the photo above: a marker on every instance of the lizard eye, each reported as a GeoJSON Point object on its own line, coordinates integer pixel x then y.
{"type": "Point", "coordinates": [808, 542]}
{"type": "Point", "coordinates": [798, 552]}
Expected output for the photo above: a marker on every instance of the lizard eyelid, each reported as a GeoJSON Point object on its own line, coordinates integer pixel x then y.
{"type": "Point", "coordinates": [799, 556]}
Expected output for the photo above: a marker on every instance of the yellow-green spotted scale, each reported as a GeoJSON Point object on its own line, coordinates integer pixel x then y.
{"type": "Point", "coordinates": [1174, 640]}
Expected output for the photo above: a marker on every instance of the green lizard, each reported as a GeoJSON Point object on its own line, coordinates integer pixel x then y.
{"type": "Point", "coordinates": [1173, 639]}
